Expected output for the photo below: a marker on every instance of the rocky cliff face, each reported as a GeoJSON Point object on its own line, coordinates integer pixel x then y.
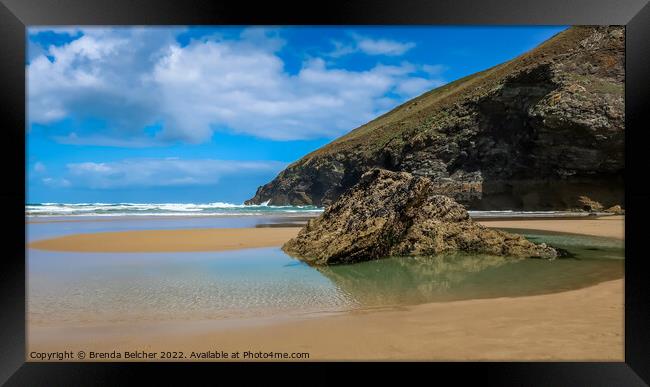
{"type": "Point", "coordinates": [400, 214]}
{"type": "Point", "coordinates": [537, 132]}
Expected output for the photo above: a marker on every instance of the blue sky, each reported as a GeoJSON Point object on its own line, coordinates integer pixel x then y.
{"type": "Point", "coordinates": [204, 114]}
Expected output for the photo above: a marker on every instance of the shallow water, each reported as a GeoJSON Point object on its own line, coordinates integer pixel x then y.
{"type": "Point", "coordinates": [76, 288]}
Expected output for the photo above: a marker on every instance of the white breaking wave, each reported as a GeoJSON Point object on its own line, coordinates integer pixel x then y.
{"type": "Point", "coordinates": [159, 209]}
{"type": "Point", "coordinates": [224, 209]}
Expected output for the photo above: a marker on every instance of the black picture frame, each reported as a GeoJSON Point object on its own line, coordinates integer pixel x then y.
{"type": "Point", "coordinates": [16, 15]}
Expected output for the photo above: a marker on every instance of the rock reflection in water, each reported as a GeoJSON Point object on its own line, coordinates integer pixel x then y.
{"type": "Point", "coordinates": [409, 280]}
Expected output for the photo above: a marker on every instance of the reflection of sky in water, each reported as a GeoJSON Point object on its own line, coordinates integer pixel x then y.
{"type": "Point", "coordinates": [103, 287]}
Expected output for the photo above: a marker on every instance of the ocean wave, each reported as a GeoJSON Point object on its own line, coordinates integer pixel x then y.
{"type": "Point", "coordinates": [224, 209]}
{"type": "Point", "coordinates": [158, 209]}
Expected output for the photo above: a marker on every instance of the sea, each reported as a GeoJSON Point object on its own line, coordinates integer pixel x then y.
{"type": "Point", "coordinates": [222, 209]}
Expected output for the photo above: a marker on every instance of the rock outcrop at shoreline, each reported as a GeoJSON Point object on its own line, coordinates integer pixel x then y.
{"type": "Point", "coordinates": [616, 210]}
{"type": "Point", "coordinates": [400, 214]}
{"type": "Point", "coordinates": [534, 133]}
{"type": "Point", "coordinates": [588, 204]}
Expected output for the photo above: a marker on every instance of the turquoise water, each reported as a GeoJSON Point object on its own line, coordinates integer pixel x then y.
{"type": "Point", "coordinates": [76, 288]}
{"type": "Point", "coordinates": [407, 280]}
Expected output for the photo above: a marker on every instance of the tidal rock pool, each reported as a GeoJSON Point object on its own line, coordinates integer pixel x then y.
{"type": "Point", "coordinates": [84, 288]}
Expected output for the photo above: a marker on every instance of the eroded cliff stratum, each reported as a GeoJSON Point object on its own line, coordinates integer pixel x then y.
{"type": "Point", "coordinates": [534, 133]}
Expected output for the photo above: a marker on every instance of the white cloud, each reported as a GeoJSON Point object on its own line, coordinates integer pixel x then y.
{"type": "Point", "coordinates": [58, 29]}
{"type": "Point", "coordinates": [99, 75]}
{"type": "Point", "coordinates": [342, 49]}
{"type": "Point", "coordinates": [159, 172]}
{"type": "Point", "coordinates": [103, 140]}
{"type": "Point", "coordinates": [136, 77]}
{"type": "Point", "coordinates": [39, 167]}
{"type": "Point", "coordinates": [416, 86]}
{"type": "Point", "coordinates": [56, 183]}
{"type": "Point", "coordinates": [434, 70]}
{"type": "Point", "coordinates": [383, 47]}
{"type": "Point", "coordinates": [371, 46]}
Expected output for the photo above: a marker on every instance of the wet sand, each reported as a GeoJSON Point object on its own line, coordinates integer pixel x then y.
{"type": "Point", "coordinates": [585, 324]}
{"type": "Point", "coordinates": [198, 239]}
{"type": "Point", "coordinates": [608, 226]}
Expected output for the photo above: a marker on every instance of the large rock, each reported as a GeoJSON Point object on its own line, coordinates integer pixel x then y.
{"type": "Point", "coordinates": [534, 133]}
{"type": "Point", "coordinates": [400, 214]}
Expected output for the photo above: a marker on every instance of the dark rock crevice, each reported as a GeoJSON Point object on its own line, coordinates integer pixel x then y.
{"type": "Point", "coordinates": [508, 131]}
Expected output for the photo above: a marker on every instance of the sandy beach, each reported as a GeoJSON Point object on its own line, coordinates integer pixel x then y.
{"type": "Point", "coordinates": [138, 241]}
{"type": "Point", "coordinates": [583, 324]}
{"type": "Point", "coordinates": [608, 226]}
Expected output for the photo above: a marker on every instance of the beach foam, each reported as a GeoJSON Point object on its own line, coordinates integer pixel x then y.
{"type": "Point", "coordinates": [157, 209]}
